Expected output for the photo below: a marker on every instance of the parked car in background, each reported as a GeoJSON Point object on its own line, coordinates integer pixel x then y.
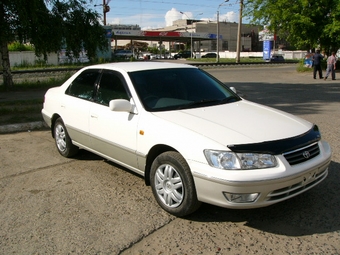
{"type": "Point", "coordinates": [123, 54]}
{"type": "Point", "coordinates": [183, 54]}
{"type": "Point", "coordinates": [276, 58]}
{"type": "Point", "coordinates": [188, 134]}
{"type": "Point", "coordinates": [209, 55]}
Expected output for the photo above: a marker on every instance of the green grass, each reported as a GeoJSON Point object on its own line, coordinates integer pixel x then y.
{"type": "Point", "coordinates": [36, 84]}
{"type": "Point", "coordinates": [22, 111]}
{"type": "Point", "coordinates": [19, 105]}
{"type": "Point", "coordinates": [301, 68]}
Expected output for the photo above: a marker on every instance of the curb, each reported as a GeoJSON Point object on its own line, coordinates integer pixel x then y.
{"type": "Point", "coordinates": [21, 127]}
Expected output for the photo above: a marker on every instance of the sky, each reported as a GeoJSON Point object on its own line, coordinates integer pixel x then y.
{"type": "Point", "coordinates": [151, 14]}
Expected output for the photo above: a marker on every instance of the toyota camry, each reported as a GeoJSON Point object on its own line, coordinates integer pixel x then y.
{"type": "Point", "coordinates": [191, 137]}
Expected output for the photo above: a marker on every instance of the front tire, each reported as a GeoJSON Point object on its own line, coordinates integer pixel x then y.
{"type": "Point", "coordinates": [173, 185]}
{"type": "Point", "coordinates": [63, 141]}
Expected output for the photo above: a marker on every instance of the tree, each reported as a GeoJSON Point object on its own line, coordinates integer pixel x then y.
{"type": "Point", "coordinates": [303, 23]}
{"type": "Point", "coordinates": [49, 25]}
{"type": "Point", "coordinates": [142, 46]}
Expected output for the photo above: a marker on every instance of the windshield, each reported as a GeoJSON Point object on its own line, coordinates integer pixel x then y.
{"type": "Point", "coordinates": [179, 88]}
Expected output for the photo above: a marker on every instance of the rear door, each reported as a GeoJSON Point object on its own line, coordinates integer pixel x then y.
{"type": "Point", "coordinates": [76, 104]}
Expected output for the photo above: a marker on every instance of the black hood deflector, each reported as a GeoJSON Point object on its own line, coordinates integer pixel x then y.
{"type": "Point", "coordinates": [279, 146]}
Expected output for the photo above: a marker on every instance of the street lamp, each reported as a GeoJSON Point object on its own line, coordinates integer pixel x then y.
{"type": "Point", "coordinates": [191, 28]}
{"type": "Point", "coordinates": [238, 48]}
{"type": "Point", "coordinates": [218, 31]}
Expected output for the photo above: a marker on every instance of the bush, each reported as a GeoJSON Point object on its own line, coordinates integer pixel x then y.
{"type": "Point", "coordinates": [17, 46]}
{"type": "Point", "coordinates": [302, 68]}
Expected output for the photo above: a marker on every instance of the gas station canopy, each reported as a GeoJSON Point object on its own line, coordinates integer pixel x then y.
{"type": "Point", "coordinates": [158, 35]}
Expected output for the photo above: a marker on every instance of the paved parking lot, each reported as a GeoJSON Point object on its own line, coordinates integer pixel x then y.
{"type": "Point", "coordinates": [86, 205]}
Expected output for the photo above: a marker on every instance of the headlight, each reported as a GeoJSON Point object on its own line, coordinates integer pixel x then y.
{"type": "Point", "coordinates": [232, 161]}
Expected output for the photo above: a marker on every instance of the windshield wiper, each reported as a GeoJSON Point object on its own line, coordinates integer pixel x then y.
{"type": "Point", "coordinates": [229, 100]}
{"type": "Point", "coordinates": [204, 102]}
{"type": "Point", "coordinates": [198, 103]}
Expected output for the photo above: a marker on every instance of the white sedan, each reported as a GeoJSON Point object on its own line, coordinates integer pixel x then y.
{"type": "Point", "coordinates": [192, 137]}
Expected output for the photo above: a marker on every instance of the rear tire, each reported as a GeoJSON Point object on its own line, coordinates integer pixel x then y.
{"type": "Point", "coordinates": [63, 141]}
{"type": "Point", "coordinates": [173, 185]}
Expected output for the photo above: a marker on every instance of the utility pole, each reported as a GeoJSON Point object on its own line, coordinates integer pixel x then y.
{"type": "Point", "coordinates": [238, 47]}
{"type": "Point", "coordinates": [218, 32]}
{"type": "Point", "coordinates": [217, 37]}
{"type": "Point", "coordinates": [106, 8]}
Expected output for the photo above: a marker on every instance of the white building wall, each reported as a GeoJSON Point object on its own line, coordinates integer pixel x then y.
{"type": "Point", "coordinates": [18, 58]}
{"type": "Point", "coordinates": [24, 58]}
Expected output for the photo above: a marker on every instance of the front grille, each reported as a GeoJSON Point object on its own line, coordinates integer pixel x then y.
{"type": "Point", "coordinates": [303, 154]}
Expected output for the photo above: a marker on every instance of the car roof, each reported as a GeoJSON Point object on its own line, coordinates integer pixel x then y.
{"type": "Point", "coordinates": [138, 66]}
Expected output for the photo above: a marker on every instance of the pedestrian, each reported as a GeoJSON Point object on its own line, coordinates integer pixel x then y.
{"type": "Point", "coordinates": [331, 66]}
{"type": "Point", "coordinates": [317, 58]}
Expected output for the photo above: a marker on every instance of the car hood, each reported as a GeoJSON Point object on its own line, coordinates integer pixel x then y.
{"type": "Point", "coordinates": [241, 122]}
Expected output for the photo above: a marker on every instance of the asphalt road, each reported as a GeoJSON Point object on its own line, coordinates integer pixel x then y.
{"type": "Point", "coordinates": [86, 205]}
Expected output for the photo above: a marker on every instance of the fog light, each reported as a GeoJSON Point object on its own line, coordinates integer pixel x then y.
{"type": "Point", "coordinates": [241, 198]}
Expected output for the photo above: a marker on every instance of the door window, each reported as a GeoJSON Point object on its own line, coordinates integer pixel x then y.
{"type": "Point", "coordinates": [111, 87]}
{"type": "Point", "coordinates": [84, 85]}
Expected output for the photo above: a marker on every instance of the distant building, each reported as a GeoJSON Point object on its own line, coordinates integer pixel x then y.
{"type": "Point", "coordinates": [228, 34]}
{"type": "Point", "coordinates": [120, 44]}
{"type": "Point", "coordinates": [125, 27]}
{"type": "Point", "coordinates": [192, 30]}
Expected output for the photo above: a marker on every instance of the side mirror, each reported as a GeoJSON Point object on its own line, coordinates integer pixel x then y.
{"type": "Point", "coordinates": [120, 105]}
{"type": "Point", "coordinates": [233, 89]}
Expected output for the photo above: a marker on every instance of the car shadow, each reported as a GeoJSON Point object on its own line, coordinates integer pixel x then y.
{"type": "Point", "coordinates": [84, 155]}
{"type": "Point", "coordinates": [87, 156]}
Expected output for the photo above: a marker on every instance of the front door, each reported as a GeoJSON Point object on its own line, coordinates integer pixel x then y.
{"type": "Point", "coordinates": [113, 134]}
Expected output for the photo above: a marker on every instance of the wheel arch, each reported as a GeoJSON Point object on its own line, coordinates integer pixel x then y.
{"type": "Point", "coordinates": [53, 120]}
{"type": "Point", "coordinates": [153, 153]}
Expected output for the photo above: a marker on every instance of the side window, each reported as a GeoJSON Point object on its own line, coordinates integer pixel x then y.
{"type": "Point", "coordinates": [111, 87]}
{"type": "Point", "coordinates": [83, 86]}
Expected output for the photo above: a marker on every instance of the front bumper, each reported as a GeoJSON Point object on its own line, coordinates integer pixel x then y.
{"type": "Point", "coordinates": [273, 184]}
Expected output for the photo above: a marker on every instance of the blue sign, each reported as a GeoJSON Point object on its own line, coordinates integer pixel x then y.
{"type": "Point", "coordinates": [267, 45]}
{"type": "Point", "coordinates": [214, 36]}
{"type": "Point", "coordinates": [108, 33]}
